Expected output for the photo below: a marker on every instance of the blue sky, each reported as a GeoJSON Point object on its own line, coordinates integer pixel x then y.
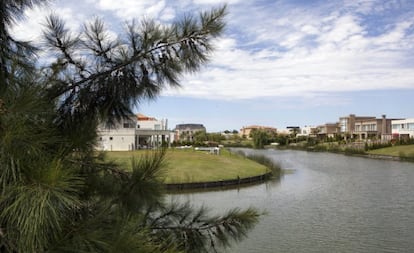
{"type": "Point", "coordinates": [279, 63]}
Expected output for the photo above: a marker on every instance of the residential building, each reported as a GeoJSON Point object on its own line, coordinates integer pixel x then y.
{"type": "Point", "coordinates": [293, 130]}
{"type": "Point", "coordinates": [151, 132]}
{"type": "Point", "coordinates": [135, 132]}
{"type": "Point", "coordinates": [307, 131]}
{"type": "Point", "coordinates": [347, 123]}
{"type": "Point", "coordinates": [185, 132]}
{"type": "Point", "coordinates": [328, 130]}
{"type": "Point", "coordinates": [245, 131]}
{"type": "Point", "coordinates": [117, 137]}
{"type": "Point", "coordinates": [365, 127]}
{"type": "Point", "coordinates": [403, 128]}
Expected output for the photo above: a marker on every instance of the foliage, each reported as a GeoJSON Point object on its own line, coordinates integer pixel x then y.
{"type": "Point", "coordinates": [260, 138]}
{"type": "Point", "coordinates": [375, 145]}
{"type": "Point", "coordinates": [202, 136]}
{"type": "Point", "coordinates": [57, 193]}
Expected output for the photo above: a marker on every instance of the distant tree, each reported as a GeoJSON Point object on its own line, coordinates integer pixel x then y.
{"type": "Point", "coordinates": [227, 131]}
{"type": "Point", "coordinates": [216, 137]}
{"type": "Point", "coordinates": [282, 139]}
{"type": "Point", "coordinates": [235, 131]}
{"type": "Point", "coordinates": [57, 193]}
{"type": "Point", "coordinates": [260, 138]}
{"type": "Point", "coordinates": [200, 136]}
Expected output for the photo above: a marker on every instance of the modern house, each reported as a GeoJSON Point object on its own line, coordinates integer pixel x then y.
{"type": "Point", "coordinates": [185, 132]}
{"type": "Point", "coordinates": [135, 132]}
{"type": "Point", "coordinates": [246, 130]}
{"type": "Point", "coordinates": [307, 131]}
{"type": "Point", "coordinates": [365, 127]}
{"type": "Point", "coordinates": [151, 132]}
{"type": "Point", "coordinates": [328, 130]}
{"type": "Point", "coordinates": [403, 128]}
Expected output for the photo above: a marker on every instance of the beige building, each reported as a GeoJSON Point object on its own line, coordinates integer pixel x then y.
{"type": "Point", "coordinates": [185, 132]}
{"type": "Point", "coordinates": [328, 130]}
{"type": "Point", "coordinates": [246, 131]}
{"type": "Point", "coordinates": [365, 127]}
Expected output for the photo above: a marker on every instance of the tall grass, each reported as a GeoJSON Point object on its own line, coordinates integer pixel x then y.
{"type": "Point", "coordinates": [272, 166]}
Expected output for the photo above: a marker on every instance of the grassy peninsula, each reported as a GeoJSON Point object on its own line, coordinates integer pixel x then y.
{"type": "Point", "coordinates": [191, 166]}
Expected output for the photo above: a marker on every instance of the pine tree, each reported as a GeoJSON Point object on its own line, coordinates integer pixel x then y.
{"type": "Point", "coordinates": [57, 193]}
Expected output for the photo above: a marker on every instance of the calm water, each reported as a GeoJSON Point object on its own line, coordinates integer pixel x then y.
{"type": "Point", "coordinates": [330, 203]}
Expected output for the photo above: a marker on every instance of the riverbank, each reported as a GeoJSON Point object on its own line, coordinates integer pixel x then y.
{"type": "Point", "coordinates": [394, 153]}
{"type": "Point", "coordinates": [220, 184]}
{"type": "Point", "coordinates": [188, 168]}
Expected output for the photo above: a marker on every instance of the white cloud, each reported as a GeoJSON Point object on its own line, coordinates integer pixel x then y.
{"type": "Point", "coordinates": [342, 28]}
{"type": "Point", "coordinates": [216, 2]}
{"type": "Point", "coordinates": [132, 9]}
{"type": "Point", "coordinates": [342, 57]}
{"type": "Point", "coordinates": [279, 49]}
{"type": "Point", "coordinates": [31, 27]}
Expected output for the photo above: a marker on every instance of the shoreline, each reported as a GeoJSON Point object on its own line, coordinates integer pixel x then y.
{"type": "Point", "coordinates": [369, 156]}
{"type": "Point", "coordinates": [219, 184]}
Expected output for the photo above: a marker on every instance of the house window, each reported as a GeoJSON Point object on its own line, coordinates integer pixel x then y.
{"type": "Point", "coordinates": [129, 125]}
{"type": "Point", "coordinates": [111, 138]}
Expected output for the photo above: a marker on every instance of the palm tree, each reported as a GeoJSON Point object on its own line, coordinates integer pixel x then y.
{"type": "Point", "coordinates": [57, 193]}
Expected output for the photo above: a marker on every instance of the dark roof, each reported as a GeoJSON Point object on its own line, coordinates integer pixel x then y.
{"type": "Point", "coordinates": [189, 126]}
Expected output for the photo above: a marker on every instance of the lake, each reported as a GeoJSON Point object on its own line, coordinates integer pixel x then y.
{"type": "Point", "coordinates": [327, 203]}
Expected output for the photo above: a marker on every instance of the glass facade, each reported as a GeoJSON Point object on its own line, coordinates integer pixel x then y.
{"type": "Point", "coordinates": [343, 123]}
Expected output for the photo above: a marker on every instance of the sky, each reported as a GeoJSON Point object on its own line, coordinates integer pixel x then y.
{"type": "Point", "coordinates": [279, 63]}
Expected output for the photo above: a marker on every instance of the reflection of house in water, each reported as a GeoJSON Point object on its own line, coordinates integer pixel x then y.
{"type": "Point", "coordinates": [136, 132]}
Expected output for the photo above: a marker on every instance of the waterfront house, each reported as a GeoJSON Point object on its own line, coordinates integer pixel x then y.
{"type": "Point", "coordinates": [327, 130]}
{"type": "Point", "coordinates": [136, 132]}
{"type": "Point", "coordinates": [246, 130]}
{"type": "Point", "coordinates": [365, 127]}
{"type": "Point", "coordinates": [403, 128]}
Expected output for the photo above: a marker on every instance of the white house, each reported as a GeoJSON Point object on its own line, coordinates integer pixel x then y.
{"type": "Point", "coordinates": [119, 137]}
{"type": "Point", "coordinates": [151, 132]}
{"type": "Point", "coordinates": [403, 128]}
{"type": "Point", "coordinates": [307, 131]}
{"type": "Point", "coordinates": [139, 131]}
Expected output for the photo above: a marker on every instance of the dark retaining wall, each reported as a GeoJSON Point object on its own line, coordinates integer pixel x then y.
{"type": "Point", "coordinates": [222, 183]}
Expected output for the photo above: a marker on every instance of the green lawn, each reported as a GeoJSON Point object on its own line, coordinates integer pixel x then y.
{"type": "Point", "coordinates": [188, 166]}
{"type": "Point", "coordinates": [405, 150]}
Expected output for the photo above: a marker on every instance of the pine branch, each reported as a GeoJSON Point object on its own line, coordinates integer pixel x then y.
{"type": "Point", "coordinates": [197, 232]}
